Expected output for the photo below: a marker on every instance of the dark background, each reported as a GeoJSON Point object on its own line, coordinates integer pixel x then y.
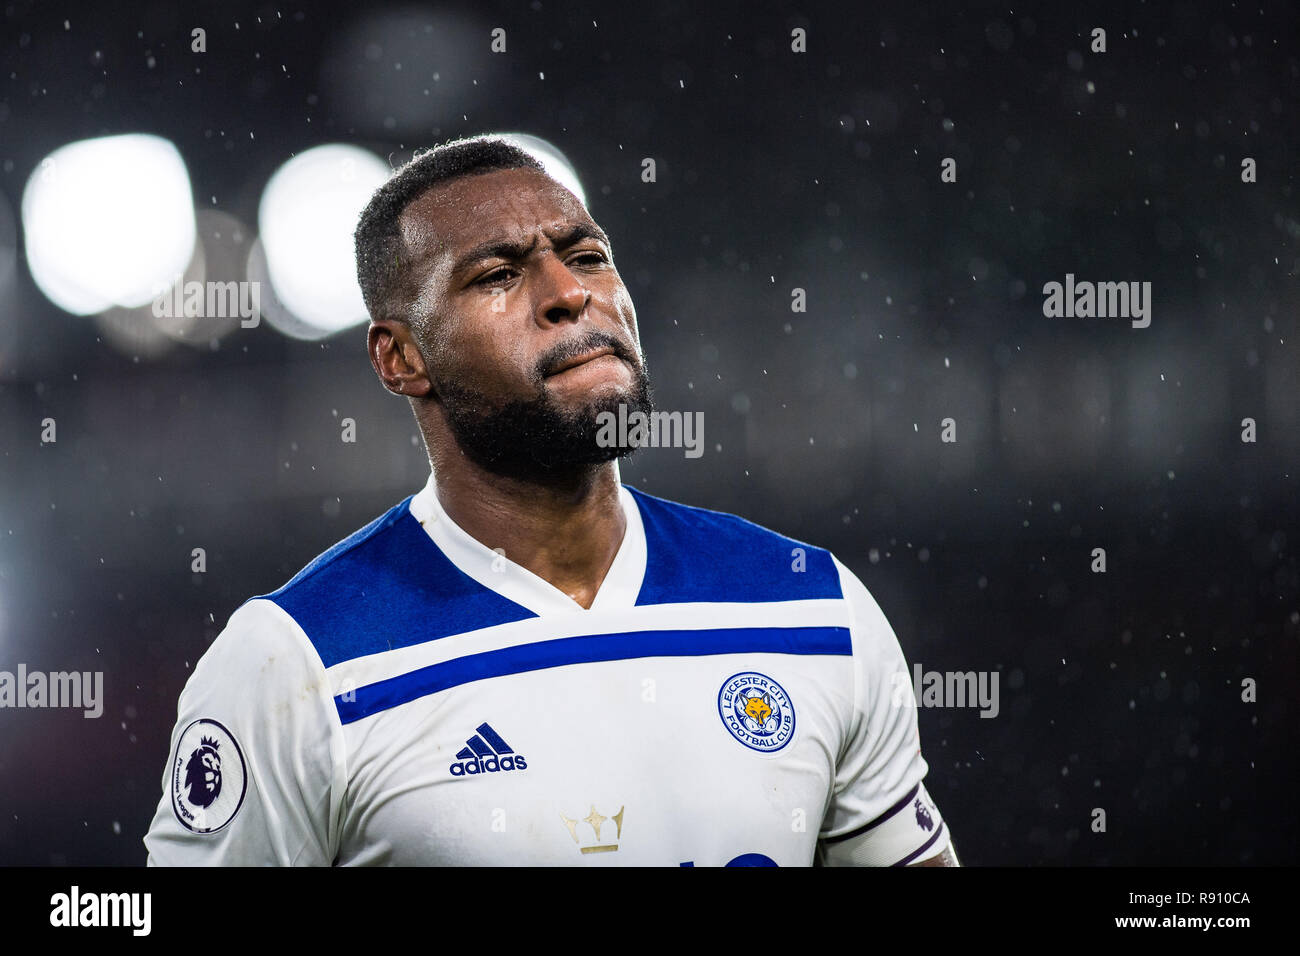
{"type": "Point", "coordinates": [775, 170]}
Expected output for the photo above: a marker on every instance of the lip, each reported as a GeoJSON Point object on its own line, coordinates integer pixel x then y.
{"type": "Point", "coordinates": [583, 359]}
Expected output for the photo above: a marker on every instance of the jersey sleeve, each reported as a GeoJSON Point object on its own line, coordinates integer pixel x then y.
{"type": "Point", "coordinates": [256, 774]}
{"type": "Point", "coordinates": [880, 813]}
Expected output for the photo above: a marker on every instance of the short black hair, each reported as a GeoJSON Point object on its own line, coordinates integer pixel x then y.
{"type": "Point", "coordinates": [378, 239]}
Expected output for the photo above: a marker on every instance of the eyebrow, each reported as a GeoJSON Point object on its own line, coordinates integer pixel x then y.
{"type": "Point", "coordinates": [511, 249]}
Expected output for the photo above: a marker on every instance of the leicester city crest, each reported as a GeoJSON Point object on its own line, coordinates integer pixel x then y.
{"type": "Point", "coordinates": [208, 777]}
{"type": "Point", "coordinates": [757, 711]}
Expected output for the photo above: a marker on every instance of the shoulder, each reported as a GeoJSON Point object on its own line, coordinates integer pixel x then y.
{"type": "Point", "coordinates": [345, 565]}
{"type": "Point", "coordinates": [260, 654]}
{"type": "Point", "coordinates": [359, 596]}
{"type": "Point", "coordinates": [695, 554]}
{"type": "Point", "coordinates": [257, 754]}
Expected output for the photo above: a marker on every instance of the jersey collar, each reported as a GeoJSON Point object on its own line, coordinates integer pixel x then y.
{"type": "Point", "coordinates": [498, 573]}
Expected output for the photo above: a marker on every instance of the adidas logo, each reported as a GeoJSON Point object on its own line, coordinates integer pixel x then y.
{"type": "Point", "coordinates": [486, 752]}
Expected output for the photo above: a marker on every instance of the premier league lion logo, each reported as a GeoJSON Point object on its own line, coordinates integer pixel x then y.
{"type": "Point", "coordinates": [923, 818]}
{"type": "Point", "coordinates": [203, 773]}
{"type": "Point", "coordinates": [209, 776]}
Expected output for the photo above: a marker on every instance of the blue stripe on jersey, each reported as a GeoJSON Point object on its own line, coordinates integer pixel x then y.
{"type": "Point", "coordinates": [588, 649]}
{"type": "Point", "coordinates": [693, 554]}
{"type": "Point", "coordinates": [388, 586]}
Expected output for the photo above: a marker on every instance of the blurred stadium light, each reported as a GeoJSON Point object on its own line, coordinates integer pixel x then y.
{"type": "Point", "coordinates": [307, 215]}
{"type": "Point", "coordinates": [556, 163]}
{"type": "Point", "coordinates": [108, 222]}
{"type": "Point", "coordinates": [219, 256]}
{"type": "Point", "coordinates": [133, 332]}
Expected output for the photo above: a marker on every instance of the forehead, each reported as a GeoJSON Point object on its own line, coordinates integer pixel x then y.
{"type": "Point", "coordinates": [506, 203]}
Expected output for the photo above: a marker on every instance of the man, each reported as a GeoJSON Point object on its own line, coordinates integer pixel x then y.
{"type": "Point", "coordinates": [528, 662]}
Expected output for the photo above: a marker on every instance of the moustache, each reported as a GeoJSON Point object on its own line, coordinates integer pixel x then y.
{"type": "Point", "coordinates": [556, 356]}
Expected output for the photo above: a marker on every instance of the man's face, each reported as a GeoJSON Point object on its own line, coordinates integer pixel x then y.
{"type": "Point", "coordinates": [523, 322]}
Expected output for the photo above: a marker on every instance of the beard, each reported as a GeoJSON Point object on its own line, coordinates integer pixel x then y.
{"type": "Point", "coordinates": [537, 439]}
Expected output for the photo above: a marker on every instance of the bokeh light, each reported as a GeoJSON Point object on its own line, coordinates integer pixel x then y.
{"type": "Point", "coordinates": [307, 216]}
{"type": "Point", "coordinates": [108, 221]}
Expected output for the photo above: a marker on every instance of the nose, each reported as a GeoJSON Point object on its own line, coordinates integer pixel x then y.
{"type": "Point", "coordinates": [563, 297]}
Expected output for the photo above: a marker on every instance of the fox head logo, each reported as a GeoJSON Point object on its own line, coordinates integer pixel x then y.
{"type": "Point", "coordinates": [758, 709]}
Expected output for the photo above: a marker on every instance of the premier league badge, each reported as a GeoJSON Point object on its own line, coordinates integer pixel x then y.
{"type": "Point", "coordinates": [757, 711]}
{"type": "Point", "coordinates": [208, 777]}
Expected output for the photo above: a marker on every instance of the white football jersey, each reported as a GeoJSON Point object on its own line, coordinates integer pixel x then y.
{"type": "Point", "coordinates": [413, 696]}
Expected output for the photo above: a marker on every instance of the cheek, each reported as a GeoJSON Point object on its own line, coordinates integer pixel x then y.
{"type": "Point", "coordinates": [481, 352]}
{"type": "Point", "coordinates": [621, 302]}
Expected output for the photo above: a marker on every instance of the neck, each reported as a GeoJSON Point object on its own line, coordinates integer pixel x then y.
{"type": "Point", "coordinates": [566, 529]}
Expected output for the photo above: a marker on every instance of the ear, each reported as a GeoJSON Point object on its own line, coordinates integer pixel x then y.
{"type": "Point", "coordinates": [396, 359]}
